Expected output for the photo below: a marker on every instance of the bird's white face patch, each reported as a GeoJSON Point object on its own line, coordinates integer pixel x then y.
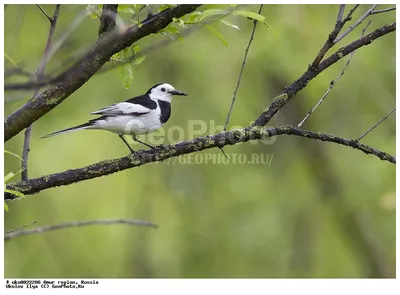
{"type": "Point", "coordinates": [162, 92]}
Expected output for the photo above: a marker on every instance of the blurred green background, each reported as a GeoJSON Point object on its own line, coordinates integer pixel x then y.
{"type": "Point", "coordinates": [318, 210]}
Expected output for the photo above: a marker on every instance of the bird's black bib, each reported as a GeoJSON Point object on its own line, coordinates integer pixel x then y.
{"type": "Point", "coordinates": [165, 108]}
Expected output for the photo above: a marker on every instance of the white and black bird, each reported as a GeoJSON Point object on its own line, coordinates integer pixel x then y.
{"type": "Point", "coordinates": [139, 115]}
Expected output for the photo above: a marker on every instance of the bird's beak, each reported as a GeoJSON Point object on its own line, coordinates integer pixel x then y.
{"type": "Point", "coordinates": [175, 92]}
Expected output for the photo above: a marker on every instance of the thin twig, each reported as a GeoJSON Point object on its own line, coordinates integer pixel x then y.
{"type": "Point", "coordinates": [20, 227]}
{"type": "Point", "coordinates": [376, 125]}
{"type": "Point", "coordinates": [383, 10]}
{"type": "Point", "coordinates": [348, 17]}
{"type": "Point", "coordinates": [45, 228]}
{"type": "Point", "coordinates": [242, 68]}
{"type": "Point", "coordinates": [359, 21]}
{"type": "Point", "coordinates": [44, 12]}
{"type": "Point", "coordinates": [332, 84]}
{"type": "Point", "coordinates": [39, 77]}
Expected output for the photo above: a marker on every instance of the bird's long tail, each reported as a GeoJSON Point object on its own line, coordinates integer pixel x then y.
{"type": "Point", "coordinates": [75, 128]}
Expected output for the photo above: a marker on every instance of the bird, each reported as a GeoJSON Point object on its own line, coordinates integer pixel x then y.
{"type": "Point", "coordinates": [139, 115]}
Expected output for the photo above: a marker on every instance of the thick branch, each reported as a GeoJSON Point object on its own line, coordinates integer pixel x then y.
{"type": "Point", "coordinates": [290, 91]}
{"type": "Point", "coordinates": [85, 68]}
{"type": "Point", "coordinates": [107, 19]}
{"type": "Point", "coordinates": [43, 229]}
{"type": "Point", "coordinates": [143, 157]}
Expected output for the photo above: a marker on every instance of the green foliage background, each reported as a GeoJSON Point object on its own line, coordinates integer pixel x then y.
{"type": "Point", "coordinates": [319, 209]}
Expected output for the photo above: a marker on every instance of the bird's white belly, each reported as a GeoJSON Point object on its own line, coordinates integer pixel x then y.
{"type": "Point", "coordinates": [130, 125]}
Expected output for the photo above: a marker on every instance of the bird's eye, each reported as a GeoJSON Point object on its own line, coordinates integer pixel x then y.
{"type": "Point", "coordinates": [163, 89]}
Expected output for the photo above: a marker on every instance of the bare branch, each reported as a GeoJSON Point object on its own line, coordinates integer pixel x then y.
{"type": "Point", "coordinates": [329, 42]}
{"type": "Point", "coordinates": [332, 84]}
{"type": "Point", "coordinates": [383, 10]}
{"type": "Point", "coordinates": [339, 18]}
{"type": "Point", "coordinates": [44, 12]}
{"type": "Point", "coordinates": [108, 17]}
{"type": "Point", "coordinates": [376, 125]}
{"type": "Point", "coordinates": [359, 21]}
{"type": "Point", "coordinates": [241, 70]}
{"type": "Point", "coordinates": [20, 227]}
{"type": "Point", "coordinates": [142, 157]}
{"type": "Point", "coordinates": [84, 69]}
{"type": "Point", "coordinates": [46, 228]}
{"type": "Point", "coordinates": [290, 91]}
{"type": "Point", "coordinates": [39, 77]}
{"type": "Point", "coordinates": [348, 17]}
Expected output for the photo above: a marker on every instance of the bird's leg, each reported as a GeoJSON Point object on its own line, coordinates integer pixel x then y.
{"type": "Point", "coordinates": [142, 142]}
{"type": "Point", "coordinates": [127, 144]}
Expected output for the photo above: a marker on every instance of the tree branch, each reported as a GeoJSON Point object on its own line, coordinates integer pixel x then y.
{"type": "Point", "coordinates": [45, 13]}
{"type": "Point", "coordinates": [242, 68]}
{"type": "Point", "coordinates": [84, 69]}
{"type": "Point", "coordinates": [329, 42]}
{"type": "Point", "coordinates": [383, 10]}
{"type": "Point", "coordinates": [39, 77]}
{"type": "Point", "coordinates": [290, 91]}
{"type": "Point", "coordinates": [21, 227]}
{"type": "Point", "coordinates": [108, 17]}
{"type": "Point", "coordinates": [359, 21]}
{"type": "Point", "coordinates": [201, 143]}
{"type": "Point", "coordinates": [376, 125]}
{"type": "Point", "coordinates": [43, 229]}
{"type": "Point", "coordinates": [349, 15]}
{"type": "Point", "coordinates": [332, 84]}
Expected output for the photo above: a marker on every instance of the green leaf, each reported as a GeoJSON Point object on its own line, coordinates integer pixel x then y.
{"type": "Point", "coordinates": [216, 33]}
{"type": "Point", "coordinates": [5, 207]}
{"type": "Point", "coordinates": [138, 60]}
{"type": "Point", "coordinates": [10, 59]}
{"type": "Point", "coordinates": [136, 7]}
{"type": "Point", "coordinates": [17, 193]}
{"type": "Point", "coordinates": [126, 10]}
{"type": "Point", "coordinates": [193, 17]}
{"type": "Point", "coordinates": [94, 10]}
{"type": "Point", "coordinates": [171, 32]}
{"type": "Point", "coordinates": [11, 175]}
{"type": "Point", "coordinates": [135, 48]}
{"type": "Point", "coordinates": [229, 24]}
{"type": "Point", "coordinates": [179, 22]}
{"type": "Point", "coordinates": [211, 12]}
{"type": "Point", "coordinates": [15, 155]}
{"type": "Point", "coordinates": [249, 14]}
{"type": "Point", "coordinates": [126, 75]}
{"type": "Point", "coordinates": [166, 6]}
{"type": "Point", "coordinates": [8, 177]}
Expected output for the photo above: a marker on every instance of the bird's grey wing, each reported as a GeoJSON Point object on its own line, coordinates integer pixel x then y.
{"type": "Point", "coordinates": [123, 108]}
